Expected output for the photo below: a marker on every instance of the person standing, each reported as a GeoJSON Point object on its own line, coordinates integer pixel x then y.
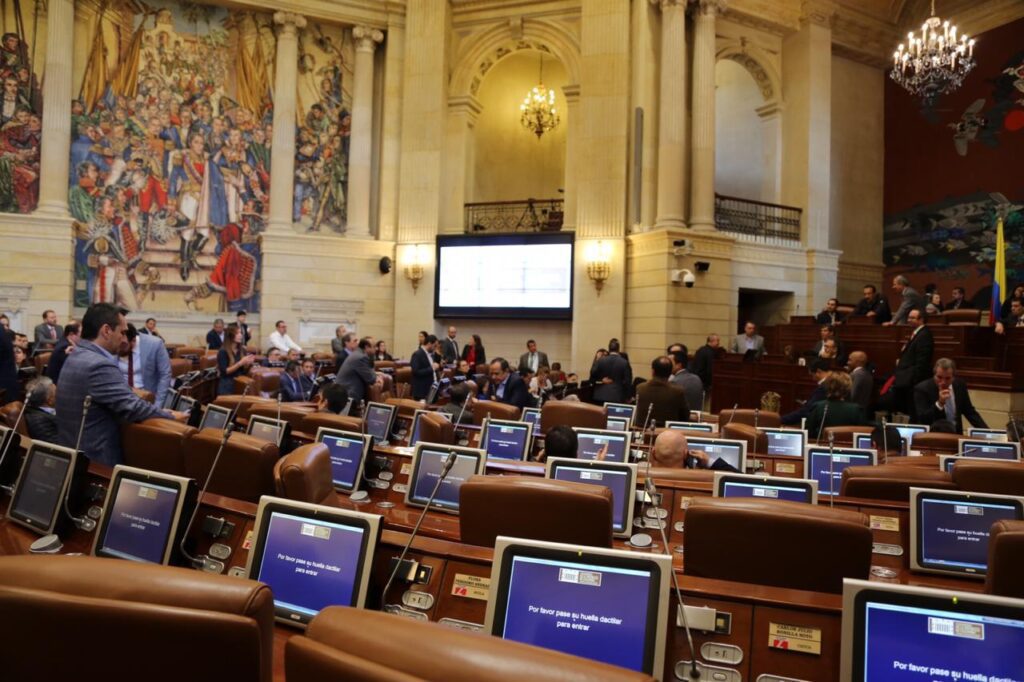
{"type": "Point", "coordinates": [703, 360]}
{"type": "Point", "coordinates": [240, 318]}
{"type": "Point", "coordinates": [232, 360]}
{"type": "Point", "coordinates": [356, 374]}
{"type": "Point", "coordinates": [532, 359]}
{"type": "Point", "coordinates": [424, 369]}
{"type": "Point", "coordinates": [909, 300]}
{"type": "Point", "coordinates": [611, 376]}
{"type": "Point", "coordinates": [450, 347]}
{"type": "Point", "coordinates": [913, 366]}
{"type": "Point", "coordinates": [861, 380]}
{"type": "Point", "coordinates": [48, 333]}
{"type": "Point", "coordinates": [664, 400]}
{"type": "Point", "coordinates": [62, 350]}
{"type": "Point", "coordinates": [145, 364]}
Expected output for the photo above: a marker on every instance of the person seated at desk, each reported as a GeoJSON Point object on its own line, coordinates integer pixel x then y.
{"type": "Point", "coordinates": [279, 338]}
{"type": "Point", "coordinates": [506, 386]}
{"type": "Point", "coordinates": [291, 383]}
{"type": "Point", "coordinates": [671, 451]}
{"type": "Point", "coordinates": [21, 358]}
{"type": "Point", "coordinates": [380, 353]}
{"type": "Point", "coordinates": [460, 403]}
{"type": "Point", "coordinates": [215, 337]}
{"type": "Point", "coordinates": [149, 329]}
{"type": "Point", "coordinates": [837, 352]}
{"type": "Point", "coordinates": [560, 441]}
{"type": "Point", "coordinates": [959, 299]}
{"type": "Point", "coordinates": [1014, 319]}
{"type": "Point", "coordinates": [332, 399]}
{"type": "Point", "coordinates": [934, 305]}
{"type": "Point", "coordinates": [540, 384]}
{"type": "Point", "coordinates": [945, 398]}
{"type": "Point", "coordinates": [830, 315]}
{"type": "Point", "coordinates": [40, 417]}
{"type": "Point", "coordinates": [836, 409]}
{"type": "Point", "coordinates": [474, 352]}
{"type": "Point", "coordinates": [748, 341]}
{"type": "Point", "coordinates": [663, 400]}
{"type": "Point", "coordinates": [819, 369]}
{"type": "Point", "coordinates": [1018, 293]}
{"type": "Point", "coordinates": [873, 305]}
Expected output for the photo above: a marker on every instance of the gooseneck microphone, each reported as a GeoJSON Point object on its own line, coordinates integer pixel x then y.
{"type": "Point", "coordinates": [201, 562]}
{"type": "Point", "coordinates": [278, 406]}
{"type": "Point", "coordinates": [821, 427]}
{"type": "Point", "coordinates": [732, 415]}
{"type": "Point", "coordinates": [831, 468]}
{"type": "Point", "coordinates": [647, 423]}
{"type": "Point", "coordinates": [885, 438]}
{"type": "Point", "coordinates": [448, 464]}
{"type": "Point", "coordinates": [757, 414]}
{"type": "Point", "coordinates": [83, 522]}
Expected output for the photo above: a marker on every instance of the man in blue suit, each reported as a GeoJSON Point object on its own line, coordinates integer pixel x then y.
{"type": "Point", "coordinates": [92, 370]}
{"type": "Point", "coordinates": [820, 369]}
{"type": "Point", "coordinates": [506, 386]}
{"type": "Point", "coordinates": [150, 365]}
{"type": "Point", "coordinates": [424, 369]}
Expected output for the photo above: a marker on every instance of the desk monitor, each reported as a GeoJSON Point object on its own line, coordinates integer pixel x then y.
{"type": "Point", "coordinates": [619, 478]}
{"type": "Point", "coordinates": [785, 442]}
{"type": "Point", "coordinates": [144, 516]}
{"type": "Point", "coordinates": [989, 450]}
{"type": "Point", "coordinates": [829, 474]}
{"type": "Point", "coordinates": [379, 419]}
{"type": "Point", "coordinates": [531, 415]}
{"type": "Point", "coordinates": [617, 424]}
{"type": "Point", "coordinates": [170, 400]}
{"type": "Point", "coordinates": [765, 487]}
{"type": "Point", "coordinates": [591, 443]}
{"type": "Point", "coordinates": [348, 453]}
{"type": "Point", "coordinates": [621, 410]}
{"type": "Point", "coordinates": [946, 462]}
{"type": "Point", "coordinates": [862, 441]}
{"type": "Point", "coordinates": [887, 628]}
{"type": "Point", "coordinates": [949, 529]}
{"type": "Point", "coordinates": [312, 556]}
{"type": "Point", "coordinates": [267, 428]}
{"type": "Point", "coordinates": [43, 484]}
{"type": "Point", "coordinates": [606, 605]}
{"type": "Point", "coordinates": [908, 431]}
{"type": "Point", "coordinates": [216, 417]}
{"type": "Point", "coordinates": [428, 462]}
{"type": "Point", "coordinates": [731, 452]}
{"type": "Point", "coordinates": [505, 439]}
{"type": "Point", "coordinates": [414, 437]}
{"type": "Point", "coordinates": [987, 434]}
{"type": "Point", "coordinates": [10, 442]}
{"type": "Point", "coordinates": [706, 427]}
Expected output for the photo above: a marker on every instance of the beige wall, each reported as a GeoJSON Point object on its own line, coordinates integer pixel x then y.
{"type": "Point", "coordinates": [739, 158]}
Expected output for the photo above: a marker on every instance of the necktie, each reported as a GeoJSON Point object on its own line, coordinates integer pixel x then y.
{"type": "Point", "coordinates": [53, 332]}
{"type": "Point", "coordinates": [131, 369]}
{"type": "Point", "coordinates": [951, 408]}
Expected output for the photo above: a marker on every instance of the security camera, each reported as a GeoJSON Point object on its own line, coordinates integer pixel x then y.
{"type": "Point", "coordinates": [684, 277]}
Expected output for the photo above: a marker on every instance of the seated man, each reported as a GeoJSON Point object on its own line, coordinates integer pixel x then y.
{"type": "Point", "coordinates": [659, 398]}
{"type": "Point", "coordinates": [460, 403]}
{"type": "Point", "coordinates": [830, 315]}
{"type": "Point", "coordinates": [873, 305]}
{"type": "Point", "coordinates": [333, 399]}
{"type": "Point", "coordinates": [1014, 319]}
{"type": "Point", "coordinates": [506, 386]}
{"type": "Point", "coordinates": [40, 417]}
{"type": "Point", "coordinates": [819, 369]}
{"type": "Point", "coordinates": [944, 398]}
{"type": "Point", "coordinates": [560, 441]}
{"type": "Point", "coordinates": [837, 352]}
{"type": "Point", "coordinates": [670, 451]}
{"type": "Point", "coordinates": [748, 341]}
{"type": "Point", "coordinates": [291, 383]}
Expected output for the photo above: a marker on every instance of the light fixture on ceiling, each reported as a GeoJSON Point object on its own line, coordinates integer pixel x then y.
{"type": "Point", "coordinates": [537, 112]}
{"type": "Point", "coordinates": [934, 63]}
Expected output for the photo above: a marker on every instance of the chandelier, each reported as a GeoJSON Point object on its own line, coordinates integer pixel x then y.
{"type": "Point", "coordinates": [537, 112]}
{"type": "Point", "coordinates": [935, 62]}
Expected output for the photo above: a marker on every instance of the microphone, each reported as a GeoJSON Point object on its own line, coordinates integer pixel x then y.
{"type": "Point", "coordinates": [732, 415]}
{"type": "Point", "coordinates": [10, 444]}
{"type": "Point", "coordinates": [650, 489]}
{"type": "Point", "coordinates": [703, 397]}
{"type": "Point", "coordinates": [201, 562]}
{"type": "Point", "coordinates": [821, 427]}
{"type": "Point", "coordinates": [278, 406]}
{"type": "Point", "coordinates": [757, 413]}
{"type": "Point", "coordinates": [1013, 422]}
{"type": "Point", "coordinates": [885, 438]}
{"type": "Point", "coordinates": [84, 522]}
{"type": "Point", "coordinates": [647, 422]}
{"type": "Point", "coordinates": [643, 539]}
{"type": "Point", "coordinates": [831, 467]}
{"type": "Point", "coordinates": [448, 464]}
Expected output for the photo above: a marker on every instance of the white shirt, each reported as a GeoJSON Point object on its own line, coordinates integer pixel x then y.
{"type": "Point", "coordinates": [283, 342]}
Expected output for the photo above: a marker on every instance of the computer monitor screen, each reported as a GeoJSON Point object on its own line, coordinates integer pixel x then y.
{"type": "Point", "coordinates": [43, 483]}
{"type": "Point", "coordinates": [617, 424]}
{"type": "Point", "coordinates": [731, 452]}
{"type": "Point", "coordinates": [989, 449]}
{"type": "Point", "coordinates": [766, 487]}
{"type": "Point", "coordinates": [619, 478]}
{"type": "Point", "coordinates": [266, 428]}
{"type": "Point", "coordinates": [215, 417]}
{"type": "Point", "coordinates": [900, 633]}
{"type": "Point", "coordinates": [414, 437]}
{"type": "Point", "coordinates": [185, 403]}
{"type": "Point", "coordinates": [170, 400]}
{"type": "Point", "coordinates": [987, 434]}
{"type": "Point", "coordinates": [531, 415]}
{"type": "Point", "coordinates": [620, 410]}
{"type": "Point", "coordinates": [348, 454]}
{"type": "Point", "coordinates": [691, 426]}
{"type": "Point", "coordinates": [506, 439]}
{"type": "Point", "coordinates": [862, 441]}
{"type": "Point", "coordinates": [142, 514]}
{"type": "Point", "coordinates": [379, 420]}
{"type": "Point", "coordinates": [827, 469]}
{"type": "Point", "coordinates": [610, 446]}
{"type": "Point", "coordinates": [602, 604]}
{"type": "Point", "coordinates": [785, 442]}
{"type": "Point", "coordinates": [908, 431]}
{"type": "Point", "coordinates": [950, 529]}
{"type": "Point", "coordinates": [946, 463]}
{"type": "Point", "coordinates": [312, 556]}
{"type": "Point", "coordinates": [428, 463]}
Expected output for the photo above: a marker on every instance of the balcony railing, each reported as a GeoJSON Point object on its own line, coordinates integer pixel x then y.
{"type": "Point", "coordinates": [758, 220]}
{"type": "Point", "coordinates": [529, 215]}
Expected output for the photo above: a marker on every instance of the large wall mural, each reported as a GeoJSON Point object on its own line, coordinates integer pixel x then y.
{"type": "Point", "coordinates": [22, 46]}
{"type": "Point", "coordinates": [170, 154]}
{"type": "Point", "coordinates": [326, 57]}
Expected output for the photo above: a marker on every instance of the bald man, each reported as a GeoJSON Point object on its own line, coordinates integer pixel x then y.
{"type": "Point", "coordinates": [860, 375]}
{"type": "Point", "coordinates": [670, 451]}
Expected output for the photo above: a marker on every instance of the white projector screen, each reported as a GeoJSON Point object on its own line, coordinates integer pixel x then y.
{"type": "Point", "coordinates": [528, 276]}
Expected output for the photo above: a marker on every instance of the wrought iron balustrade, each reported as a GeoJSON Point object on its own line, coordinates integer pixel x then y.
{"type": "Point", "coordinates": [758, 220]}
{"type": "Point", "coordinates": [529, 215]}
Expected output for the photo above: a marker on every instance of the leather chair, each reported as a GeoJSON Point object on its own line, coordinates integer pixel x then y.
{"type": "Point", "coordinates": [9, 416]}
{"type": "Point", "coordinates": [891, 481]}
{"type": "Point", "coordinates": [406, 406]}
{"type": "Point", "coordinates": [436, 429]}
{"type": "Point", "coordinates": [403, 382]}
{"type": "Point", "coordinates": [844, 435]}
{"type": "Point", "coordinates": [86, 618]}
{"type": "Point", "coordinates": [534, 509]}
{"type": "Point", "coordinates": [943, 443]}
{"type": "Point", "coordinates": [157, 445]}
{"type": "Point", "coordinates": [757, 441]}
{"type": "Point", "coordinates": [357, 645]}
{"type": "Point", "coordinates": [209, 360]}
{"type": "Point", "coordinates": [312, 422]}
{"type": "Point", "coordinates": [1005, 559]}
{"type": "Point", "coordinates": [245, 470]}
{"type": "Point", "coordinates": [963, 317]}
{"type": "Point", "coordinates": [572, 413]}
{"type": "Point", "coordinates": [772, 542]}
{"type": "Point", "coordinates": [180, 366]}
{"type": "Point", "coordinates": [676, 474]}
{"type": "Point", "coordinates": [40, 361]}
{"type": "Point", "coordinates": [383, 364]}
{"type": "Point", "coordinates": [293, 413]}
{"type": "Point", "coordinates": [242, 404]}
{"type": "Point", "coordinates": [384, 392]}
{"type": "Point", "coordinates": [929, 462]}
{"type": "Point", "coordinates": [305, 475]}
{"type": "Point", "coordinates": [492, 409]}
{"type": "Point", "coordinates": [766, 419]}
{"type": "Point", "coordinates": [146, 395]}
{"type": "Point", "coordinates": [995, 478]}
{"type": "Point", "coordinates": [266, 380]}
{"type": "Point", "coordinates": [197, 351]}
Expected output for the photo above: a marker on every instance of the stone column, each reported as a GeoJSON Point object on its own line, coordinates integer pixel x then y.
{"type": "Point", "coordinates": [361, 144]}
{"type": "Point", "coordinates": [572, 109]}
{"type": "Point", "coordinates": [457, 180]}
{"type": "Point", "coordinates": [282, 160]}
{"type": "Point", "coordinates": [672, 116]}
{"type": "Point", "coordinates": [702, 187]}
{"type": "Point", "coordinates": [56, 134]}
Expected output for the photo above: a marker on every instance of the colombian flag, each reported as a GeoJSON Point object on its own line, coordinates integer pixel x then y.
{"type": "Point", "coordinates": [999, 277]}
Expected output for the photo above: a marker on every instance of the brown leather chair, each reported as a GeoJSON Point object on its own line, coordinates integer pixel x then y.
{"type": "Point", "coordinates": [266, 380]}
{"type": "Point", "coordinates": [891, 481]}
{"type": "Point", "coordinates": [40, 361]}
{"type": "Point", "coordinates": [197, 351]}
{"type": "Point", "coordinates": [962, 317]}
{"type": "Point", "coordinates": [149, 614]}
{"type": "Point", "coordinates": [245, 470]}
{"type": "Point", "coordinates": [406, 406]}
{"type": "Point", "coordinates": [293, 413]}
{"type": "Point", "coordinates": [676, 474]}
{"type": "Point", "coordinates": [492, 409]}
{"type": "Point", "coordinates": [157, 445]}
{"type": "Point", "coordinates": [757, 441]}
{"type": "Point", "coordinates": [436, 429]}
{"type": "Point", "coordinates": [375, 394]}
{"type": "Point", "coordinates": [943, 443]}
{"type": "Point", "coordinates": [993, 477]}
{"type": "Point", "coordinates": [357, 645]}
{"type": "Point", "coordinates": [572, 413]}
{"type": "Point", "coordinates": [1005, 559]}
{"type": "Point", "coordinates": [242, 404]}
{"type": "Point", "coordinates": [9, 416]}
{"type": "Point", "coordinates": [535, 509]}
{"type": "Point", "coordinates": [305, 475]}
{"type": "Point", "coordinates": [180, 366]}
{"type": "Point", "coordinates": [383, 364]}
{"type": "Point", "coordinates": [312, 422]}
{"type": "Point", "coordinates": [403, 382]}
{"type": "Point", "coordinates": [209, 360]}
{"type": "Point", "coordinates": [844, 435]}
{"type": "Point", "coordinates": [766, 419]}
{"type": "Point", "coordinates": [772, 542]}
{"type": "Point", "coordinates": [146, 395]}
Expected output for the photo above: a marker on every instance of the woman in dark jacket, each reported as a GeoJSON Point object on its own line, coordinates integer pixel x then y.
{"type": "Point", "coordinates": [230, 360]}
{"type": "Point", "coordinates": [473, 353]}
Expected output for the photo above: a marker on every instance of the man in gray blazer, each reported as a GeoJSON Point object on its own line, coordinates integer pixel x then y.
{"type": "Point", "coordinates": [749, 340]}
{"type": "Point", "coordinates": [356, 373]}
{"type": "Point", "coordinates": [910, 300]}
{"type": "Point", "coordinates": [92, 370]}
{"type": "Point", "coordinates": [151, 366]}
{"type": "Point", "coordinates": [532, 359]}
{"type": "Point", "coordinates": [49, 332]}
{"type": "Point", "coordinates": [863, 382]}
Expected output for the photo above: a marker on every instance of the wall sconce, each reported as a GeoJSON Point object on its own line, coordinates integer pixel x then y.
{"type": "Point", "coordinates": [414, 267]}
{"type": "Point", "coordinates": [598, 258]}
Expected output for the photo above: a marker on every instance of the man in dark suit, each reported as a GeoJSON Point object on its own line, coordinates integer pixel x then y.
{"type": "Point", "coordinates": [291, 383]}
{"type": "Point", "coordinates": [704, 359]}
{"type": "Point", "coordinates": [913, 366]}
{"type": "Point", "coordinates": [873, 305]}
{"type": "Point", "coordinates": [450, 347]}
{"type": "Point", "coordinates": [48, 333]}
{"type": "Point", "coordinates": [240, 320]}
{"type": "Point", "coordinates": [665, 401]}
{"type": "Point", "coordinates": [945, 398]}
{"type": "Point", "coordinates": [959, 299]}
{"type": "Point", "coordinates": [40, 418]}
{"type": "Point", "coordinates": [356, 373]}
{"type": "Point", "coordinates": [909, 300]}
{"type": "Point", "coordinates": [612, 376]}
{"type": "Point", "coordinates": [506, 386]}
{"type": "Point", "coordinates": [8, 367]}
{"type": "Point", "coordinates": [215, 337]}
{"type": "Point", "coordinates": [1014, 319]}
{"type": "Point", "coordinates": [149, 329]}
{"type": "Point", "coordinates": [861, 380]}
{"type": "Point", "coordinates": [819, 369]}
{"type": "Point", "coordinates": [830, 315]}
{"type": "Point", "coordinates": [62, 350]}
{"type": "Point", "coordinates": [424, 369]}
{"type": "Point", "coordinates": [533, 359]}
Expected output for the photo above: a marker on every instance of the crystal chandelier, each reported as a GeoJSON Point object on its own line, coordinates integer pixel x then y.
{"type": "Point", "coordinates": [935, 62]}
{"type": "Point", "coordinates": [537, 112]}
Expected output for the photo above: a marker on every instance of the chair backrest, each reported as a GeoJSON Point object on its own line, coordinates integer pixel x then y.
{"type": "Point", "coordinates": [380, 394]}
{"type": "Point", "coordinates": [9, 415]}
{"type": "Point", "coordinates": [844, 435]}
{"type": "Point", "coordinates": [209, 360]}
{"type": "Point", "coordinates": [180, 366]}
{"type": "Point", "coordinates": [40, 361]}
{"type": "Point", "coordinates": [403, 375]}
{"type": "Point", "coordinates": [535, 509]}
{"type": "Point", "coordinates": [384, 364]}
{"type": "Point", "coordinates": [245, 470]}
{"type": "Point", "coordinates": [995, 478]}
{"type": "Point", "coordinates": [305, 475]}
{"type": "Point", "coordinates": [946, 443]}
{"type": "Point", "coordinates": [85, 605]}
{"type": "Point", "coordinates": [436, 429]}
{"type": "Point", "coordinates": [962, 316]}
{"type": "Point", "coordinates": [772, 542]}
{"type": "Point", "coordinates": [891, 481]}
{"type": "Point", "coordinates": [757, 441]}
{"type": "Point", "coordinates": [766, 419]}
{"type": "Point", "coordinates": [406, 406]}
{"type": "Point", "coordinates": [676, 474]}
{"type": "Point", "coordinates": [198, 351]}
{"type": "Point", "coordinates": [290, 412]}
{"type": "Point", "coordinates": [572, 413]}
{"type": "Point", "coordinates": [312, 422]}
{"type": "Point", "coordinates": [157, 445]}
{"type": "Point", "coordinates": [357, 645]}
{"type": "Point", "coordinates": [1005, 559]}
{"type": "Point", "coordinates": [242, 404]}
{"type": "Point", "coordinates": [484, 409]}
{"type": "Point", "coordinates": [266, 380]}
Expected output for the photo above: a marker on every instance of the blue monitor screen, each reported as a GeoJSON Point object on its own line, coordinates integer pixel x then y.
{"type": "Point", "coordinates": [830, 474]}
{"type": "Point", "coordinates": [589, 610]}
{"type": "Point", "coordinates": [988, 434]}
{"type": "Point", "coordinates": [785, 443]}
{"type": "Point", "coordinates": [140, 521]}
{"type": "Point", "coordinates": [988, 449]}
{"type": "Point", "coordinates": [863, 441]}
{"type": "Point", "coordinates": [506, 441]}
{"type": "Point", "coordinates": [768, 491]}
{"type": "Point", "coordinates": [428, 470]}
{"type": "Point", "coordinates": [691, 426]}
{"type": "Point", "coordinates": [594, 445]}
{"type": "Point", "coordinates": [727, 452]}
{"type": "Point", "coordinates": [346, 459]}
{"type": "Point", "coordinates": [311, 563]}
{"type": "Point", "coordinates": [378, 422]}
{"type": "Point", "coordinates": [531, 417]}
{"type": "Point", "coordinates": [620, 410]}
{"type": "Point", "coordinates": [954, 532]}
{"type": "Point", "coordinates": [616, 480]}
